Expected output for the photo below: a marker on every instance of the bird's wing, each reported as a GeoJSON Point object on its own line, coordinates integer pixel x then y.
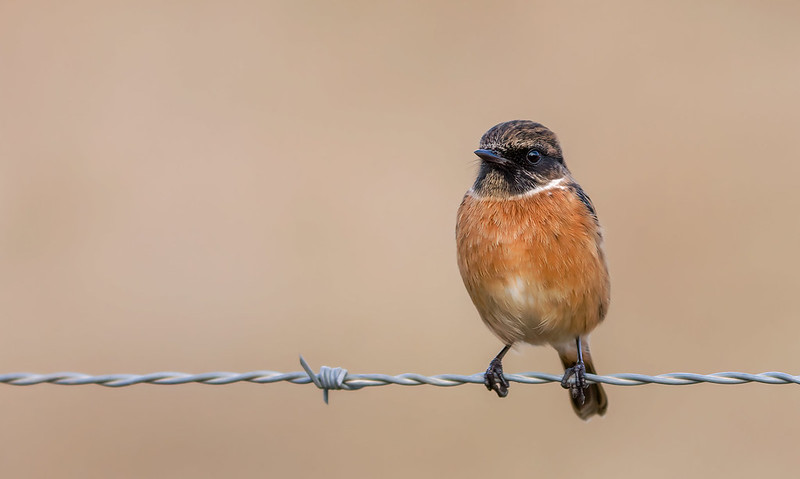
{"type": "Point", "coordinates": [578, 191]}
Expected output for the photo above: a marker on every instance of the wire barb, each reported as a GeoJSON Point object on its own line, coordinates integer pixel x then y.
{"type": "Point", "coordinates": [327, 379]}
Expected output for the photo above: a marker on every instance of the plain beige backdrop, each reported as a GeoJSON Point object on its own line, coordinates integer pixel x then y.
{"type": "Point", "coordinates": [203, 186]}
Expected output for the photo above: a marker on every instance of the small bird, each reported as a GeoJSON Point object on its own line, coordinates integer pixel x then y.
{"type": "Point", "coordinates": [530, 252]}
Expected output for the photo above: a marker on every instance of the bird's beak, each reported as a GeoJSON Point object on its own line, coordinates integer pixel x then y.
{"type": "Point", "coordinates": [490, 156]}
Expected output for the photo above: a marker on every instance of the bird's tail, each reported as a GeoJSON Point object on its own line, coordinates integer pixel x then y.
{"type": "Point", "coordinates": [595, 401]}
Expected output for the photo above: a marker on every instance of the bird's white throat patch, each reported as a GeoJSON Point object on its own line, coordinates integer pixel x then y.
{"type": "Point", "coordinates": [557, 184]}
{"type": "Point", "coordinates": [553, 185]}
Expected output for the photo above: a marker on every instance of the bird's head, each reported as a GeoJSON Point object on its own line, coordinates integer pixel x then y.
{"type": "Point", "coordinates": [517, 157]}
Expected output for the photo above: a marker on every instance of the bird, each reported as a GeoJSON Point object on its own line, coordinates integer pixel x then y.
{"type": "Point", "coordinates": [530, 252]}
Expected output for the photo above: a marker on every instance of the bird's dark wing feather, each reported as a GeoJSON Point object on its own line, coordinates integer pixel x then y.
{"type": "Point", "coordinates": [576, 188]}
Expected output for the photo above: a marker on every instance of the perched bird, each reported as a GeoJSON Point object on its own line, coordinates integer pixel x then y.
{"type": "Point", "coordinates": [530, 252]}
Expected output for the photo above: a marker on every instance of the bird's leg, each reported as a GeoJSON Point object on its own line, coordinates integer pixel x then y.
{"type": "Point", "coordinates": [579, 370]}
{"type": "Point", "coordinates": [494, 379]}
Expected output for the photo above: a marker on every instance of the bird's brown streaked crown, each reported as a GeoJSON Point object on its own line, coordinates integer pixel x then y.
{"type": "Point", "coordinates": [507, 169]}
{"type": "Point", "coordinates": [521, 134]}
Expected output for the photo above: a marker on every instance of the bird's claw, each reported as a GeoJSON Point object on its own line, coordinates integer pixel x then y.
{"type": "Point", "coordinates": [494, 380]}
{"type": "Point", "coordinates": [577, 386]}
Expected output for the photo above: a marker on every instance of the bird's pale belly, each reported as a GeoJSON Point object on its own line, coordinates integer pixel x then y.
{"type": "Point", "coordinates": [520, 308]}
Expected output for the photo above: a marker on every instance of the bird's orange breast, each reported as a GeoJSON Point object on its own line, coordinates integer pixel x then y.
{"type": "Point", "coordinates": [533, 265]}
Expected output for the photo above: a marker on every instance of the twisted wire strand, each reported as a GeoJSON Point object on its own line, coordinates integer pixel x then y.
{"type": "Point", "coordinates": [339, 378]}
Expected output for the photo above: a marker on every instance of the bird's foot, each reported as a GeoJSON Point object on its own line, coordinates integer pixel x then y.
{"type": "Point", "coordinates": [577, 386]}
{"type": "Point", "coordinates": [494, 379]}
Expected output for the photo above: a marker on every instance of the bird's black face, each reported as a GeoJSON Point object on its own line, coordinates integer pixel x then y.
{"type": "Point", "coordinates": [516, 157]}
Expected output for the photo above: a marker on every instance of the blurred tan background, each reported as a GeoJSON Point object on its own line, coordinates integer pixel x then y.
{"type": "Point", "coordinates": [198, 186]}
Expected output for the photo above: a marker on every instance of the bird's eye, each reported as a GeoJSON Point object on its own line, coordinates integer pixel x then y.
{"type": "Point", "coordinates": [534, 156]}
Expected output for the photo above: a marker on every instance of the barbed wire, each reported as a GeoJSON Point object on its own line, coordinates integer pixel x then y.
{"type": "Point", "coordinates": [340, 379]}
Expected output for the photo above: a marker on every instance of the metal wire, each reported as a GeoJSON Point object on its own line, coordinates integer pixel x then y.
{"type": "Point", "coordinates": [338, 378]}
